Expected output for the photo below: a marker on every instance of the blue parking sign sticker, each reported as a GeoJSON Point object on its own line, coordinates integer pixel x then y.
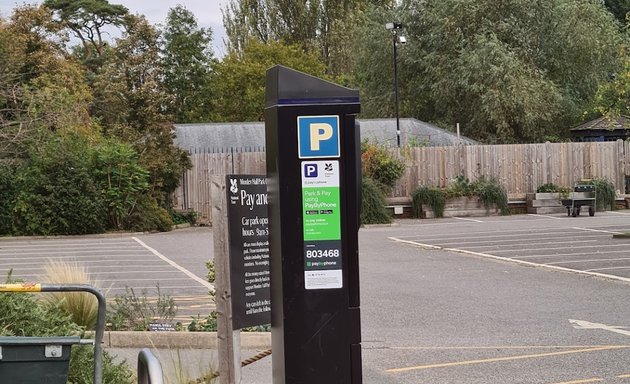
{"type": "Point", "coordinates": [318, 137]}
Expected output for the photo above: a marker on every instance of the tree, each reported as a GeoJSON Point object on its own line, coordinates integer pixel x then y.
{"type": "Point", "coordinates": [41, 90]}
{"type": "Point", "coordinates": [512, 71]}
{"type": "Point", "coordinates": [130, 101]}
{"type": "Point", "coordinates": [619, 8]}
{"type": "Point", "coordinates": [87, 19]}
{"type": "Point", "coordinates": [240, 77]}
{"type": "Point", "coordinates": [318, 26]}
{"type": "Point", "coordinates": [187, 64]}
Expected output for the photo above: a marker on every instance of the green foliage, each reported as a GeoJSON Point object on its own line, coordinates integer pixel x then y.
{"type": "Point", "coordinates": [130, 312]}
{"type": "Point", "coordinates": [148, 216]}
{"type": "Point", "coordinates": [209, 324]}
{"type": "Point", "coordinates": [605, 193]}
{"type": "Point", "coordinates": [81, 369]}
{"type": "Point", "coordinates": [22, 314]}
{"type": "Point", "coordinates": [459, 187]}
{"type": "Point", "coordinates": [321, 27]}
{"type": "Point", "coordinates": [120, 179]}
{"type": "Point", "coordinates": [512, 71]}
{"type": "Point", "coordinates": [57, 195]}
{"type": "Point", "coordinates": [553, 188]}
{"type": "Point", "coordinates": [8, 192]}
{"type": "Point", "coordinates": [491, 193]}
{"type": "Point", "coordinates": [434, 197]}
{"type": "Point", "coordinates": [186, 64]}
{"type": "Point", "coordinates": [239, 79]}
{"type": "Point", "coordinates": [182, 217]}
{"type": "Point", "coordinates": [378, 164]}
{"type": "Point", "coordinates": [373, 209]}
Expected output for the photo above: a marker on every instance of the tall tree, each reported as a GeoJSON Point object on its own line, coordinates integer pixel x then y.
{"type": "Point", "coordinates": [187, 61]}
{"type": "Point", "coordinates": [322, 26]}
{"type": "Point", "coordinates": [88, 19]}
{"type": "Point", "coordinates": [516, 70]}
{"type": "Point", "coordinates": [130, 104]}
{"type": "Point", "coordinates": [41, 91]}
{"type": "Point", "coordinates": [240, 77]}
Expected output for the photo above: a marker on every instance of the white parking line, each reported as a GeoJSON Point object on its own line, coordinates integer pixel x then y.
{"type": "Point", "coordinates": [174, 264]}
{"type": "Point", "coordinates": [466, 219]}
{"type": "Point", "coordinates": [587, 261]}
{"type": "Point", "coordinates": [597, 230]}
{"type": "Point", "coordinates": [545, 216]}
{"type": "Point", "coordinates": [547, 249]}
{"type": "Point", "coordinates": [625, 251]}
{"type": "Point", "coordinates": [607, 269]}
{"type": "Point", "coordinates": [522, 262]}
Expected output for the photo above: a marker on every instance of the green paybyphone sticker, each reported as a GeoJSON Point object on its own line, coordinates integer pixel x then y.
{"type": "Point", "coordinates": [321, 216]}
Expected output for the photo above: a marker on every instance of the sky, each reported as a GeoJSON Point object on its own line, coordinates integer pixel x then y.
{"type": "Point", "coordinates": [207, 12]}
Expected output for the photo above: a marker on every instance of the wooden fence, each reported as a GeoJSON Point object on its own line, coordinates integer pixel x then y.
{"type": "Point", "coordinates": [520, 168]}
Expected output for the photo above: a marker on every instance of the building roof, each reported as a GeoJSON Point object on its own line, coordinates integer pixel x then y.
{"type": "Point", "coordinates": [247, 137]}
{"type": "Point", "coordinates": [607, 123]}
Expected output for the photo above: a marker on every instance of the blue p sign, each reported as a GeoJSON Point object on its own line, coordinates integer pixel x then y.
{"type": "Point", "coordinates": [310, 170]}
{"type": "Point", "coordinates": [318, 137]}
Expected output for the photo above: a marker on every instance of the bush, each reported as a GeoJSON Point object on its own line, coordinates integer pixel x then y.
{"type": "Point", "coordinates": [379, 165]}
{"type": "Point", "coordinates": [81, 370]}
{"type": "Point", "coordinates": [147, 216]}
{"type": "Point", "coordinates": [181, 217]}
{"type": "Point", "coordinates": [553, 188]}
{"type": "Point", "coordinates": [434, 197]}
{"type": "Point", "coordinates": [7, 197]}
{"type": "Point", "coordinates": [130, 312]}
{"type": "Point", "coordinates": [373, 209]}
{"type": "Point", "coordinates": [81, 306]}
{"type": "Point", "coordinates": [56, 194]}
{"type": "Point", "coordinates": [120, 179]}
{"type": "Point", "coordinates": [491, 192]}
{"type": "Point", "coordinates": [605, 193]}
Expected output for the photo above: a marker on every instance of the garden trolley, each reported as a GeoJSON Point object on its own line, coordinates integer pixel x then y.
{"type": "Point", "coordinates": [583, 195]}
{"type": "Point", "coordinates": [36, 360]}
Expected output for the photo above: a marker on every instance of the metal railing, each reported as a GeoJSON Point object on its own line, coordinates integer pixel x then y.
{"type": "Point", "coordinates": [100, 320]}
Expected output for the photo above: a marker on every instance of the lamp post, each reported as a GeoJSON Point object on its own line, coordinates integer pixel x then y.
{"type": "Point", "coordinates": [394, 27]}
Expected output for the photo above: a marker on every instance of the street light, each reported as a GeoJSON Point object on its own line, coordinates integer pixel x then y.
{"type": "Point", "coordinates": [394, 27]}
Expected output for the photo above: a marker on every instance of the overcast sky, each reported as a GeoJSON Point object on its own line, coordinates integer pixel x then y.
{"type": "Point", "coordinates": [207, 12]}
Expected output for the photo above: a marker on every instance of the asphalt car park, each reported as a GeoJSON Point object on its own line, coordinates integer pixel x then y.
{"type": "Point", "coordinates": [501, 299]}
{"type": "Point", "coordinates": [120, 263]}
{"type": "Point", "coordinates": [583, 244]}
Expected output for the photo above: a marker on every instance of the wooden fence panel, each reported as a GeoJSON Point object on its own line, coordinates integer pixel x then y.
{"type": "Point", "coordinates": [520, 168]}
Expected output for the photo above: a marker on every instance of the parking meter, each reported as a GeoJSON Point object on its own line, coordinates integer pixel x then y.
{"type": "Point", "coordinates": [313, 171]}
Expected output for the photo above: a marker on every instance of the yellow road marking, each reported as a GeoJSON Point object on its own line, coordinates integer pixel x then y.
{"type": "Point", "coordinates": [496, 359]}
{"type": "Point", "coordinates": [593, 380]}
{"type": "Point", "coordinates": [624, 376]}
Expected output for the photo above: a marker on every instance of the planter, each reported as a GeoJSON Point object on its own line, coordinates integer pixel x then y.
{"type": "Point", "coordinates": [544, 203]}
{"type": "Point", "coordinates": [461, 207]}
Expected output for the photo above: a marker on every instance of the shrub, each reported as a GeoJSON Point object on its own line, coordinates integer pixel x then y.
{"type": "Point", "coordinates": [82, 368]}
{"type": "Point", "coordinates": [434, 197]}
{"type": "Point", "coordinates": [553, 188]}
{"type": "Point", "coordinates": [7, 197]}
{"type": "Point", "coordinates": [491, 192]}
{"type": "Point", "coordinates": [120, 179]}
{"type": "Point", "coordinates": [604, 193]}
{"type": "Point", "coordinates": [147, 216]}
{"type": "Point", "coordinates": [181, 217]}
{"type": "Point", "coordinates": [130, 312]}
{"type": "Point", "coordinates": [373, 209]}
{"type": "Point", "coordinates": [57, 195]}
{"type": "Point", "coordinates": [378, 164]}
{"type": "Point", "coordinates": [81, 306]}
